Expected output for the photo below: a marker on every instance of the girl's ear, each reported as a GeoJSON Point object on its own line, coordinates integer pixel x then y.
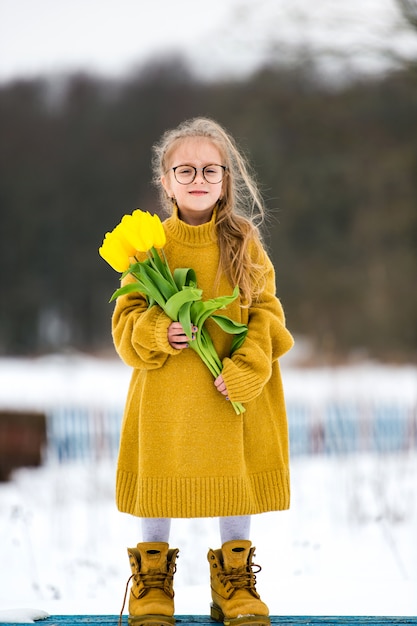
{"type": "Point", "coordinates": [166, 185]}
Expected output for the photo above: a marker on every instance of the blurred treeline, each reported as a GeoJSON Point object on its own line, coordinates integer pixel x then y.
{"type": "Point", "coordinates": [338, 168]}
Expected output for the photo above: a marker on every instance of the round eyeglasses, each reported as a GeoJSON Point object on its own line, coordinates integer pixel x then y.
{"type": "Point", "coordinates": [185, 174]}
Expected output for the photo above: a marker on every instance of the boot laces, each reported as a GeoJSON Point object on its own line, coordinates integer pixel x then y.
{"type": "Point", "coordinates": [124, 600]}
{"type": "Point", "coordinates": [154, 578]}
{"type": "Point", "coordinates": [242, 577]}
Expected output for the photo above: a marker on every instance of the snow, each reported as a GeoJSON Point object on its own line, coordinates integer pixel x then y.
{"type": "Point", "coordinates": [347, 546]}
{"type": "Point", "coordinates": [22, 616]}
{"type": "Point", "coordinates": [86, 380]}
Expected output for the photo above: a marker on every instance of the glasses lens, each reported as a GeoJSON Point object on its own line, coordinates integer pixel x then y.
{"type": "Point", "coordinates": [184, 174]}
{"type": "Point", "coordinates": [213, 173]}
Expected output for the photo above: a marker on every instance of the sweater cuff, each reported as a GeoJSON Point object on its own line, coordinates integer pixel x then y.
{"type": "Point", "coordinates": [243, 384]}
{"type": "Point", "coordinates": [162, 323]}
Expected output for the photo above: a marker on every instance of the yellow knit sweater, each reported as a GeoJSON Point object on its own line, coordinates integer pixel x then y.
{"type": "Point", "coordinates": [183, 451]}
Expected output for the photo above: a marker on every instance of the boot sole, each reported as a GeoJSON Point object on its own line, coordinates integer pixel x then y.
{"type": "Point", "coordinates": [150, 620]}
{"type": "Point", "coordinates": [251, 620]}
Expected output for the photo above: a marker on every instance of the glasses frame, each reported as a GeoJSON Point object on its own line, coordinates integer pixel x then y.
{"type": "Point", "coordinates": [199, 169]}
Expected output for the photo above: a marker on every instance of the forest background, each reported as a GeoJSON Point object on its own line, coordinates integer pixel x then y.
{"type": "Point", "coordinates": [337, 164]}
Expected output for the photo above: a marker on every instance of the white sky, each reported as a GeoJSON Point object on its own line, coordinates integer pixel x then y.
{"type": "Point", "coordinates": [221, 36]}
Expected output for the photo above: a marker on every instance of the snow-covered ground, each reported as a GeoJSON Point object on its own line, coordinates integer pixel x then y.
{"type": "Point", "coordinates": [348, 545]}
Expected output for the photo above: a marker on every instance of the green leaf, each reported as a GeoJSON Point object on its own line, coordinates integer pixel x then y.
{"type": "Point", "coordinates": [147, 287]}
{"type": "Point", "coordinates": [185, 277]}
{"type": "Point", "coordinates": [237, 342]}
{"type": "Point", "coordinates": [204, 347]}
{"type": "Point", "coordinates": [234, 328]}
{"type": "Point", "coordinates": [187, 294]}
{"type": "Point", "coordinates": [161, 266]}
{"type": "Point", "coordinates": [201, 311]}
{"type": "Point", "coordinates": [135, 268]}
{"type": "Point", "coordinates": [204, 309]}
{"type": "Point", "coordinates": [166, 288]}
{"type": "Point", "coordinates": [184, 318]}
{"type": "Point", "coordinates": [208, 346]}
{"type": "Point", "coordinates": [229, 325]}
{"type": "Point", "coordinates": [122, 291]}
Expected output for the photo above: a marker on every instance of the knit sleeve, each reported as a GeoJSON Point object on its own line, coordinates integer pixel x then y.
{"type": "Point", "coordinates": [249, 368]}
{"type": "Point", "coordinates": [140, 334]}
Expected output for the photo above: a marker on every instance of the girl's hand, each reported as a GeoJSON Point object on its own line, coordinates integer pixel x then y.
{"type": "Point", "coordinates": [220, 385]}
{"type": "Point", "coordinates": [176, 336]}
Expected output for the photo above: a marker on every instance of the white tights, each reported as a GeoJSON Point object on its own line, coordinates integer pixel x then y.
{"type": "Point", "coordinates": [158, 528]}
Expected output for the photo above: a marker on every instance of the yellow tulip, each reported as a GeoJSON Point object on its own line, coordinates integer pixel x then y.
{"type": "Point", "coordinates": [139, 231]}
{"type": "Point", "coordinates": [116, 250]}
{"type": "Point", "coordinates": [128, 231]}
{"type": "Point", "coordinates": [159, 233]}
{"type": "Point", "coordinates": [143, 230]}
{"type": "Point", "coordinates": [118, 232]}
{"type": "Point", "coordinates": [132, 230]}
{"type": "Point", "coordinates": [144, 223]}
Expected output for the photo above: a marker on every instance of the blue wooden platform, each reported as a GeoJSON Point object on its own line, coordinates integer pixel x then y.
{"type": "Point", "coordinates": [202, 620]}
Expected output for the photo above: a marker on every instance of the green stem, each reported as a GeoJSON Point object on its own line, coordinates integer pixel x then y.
{"type": "Point", "coordinates": [211, 360]}
{"type": "Point", "coordinates": [205, 356]}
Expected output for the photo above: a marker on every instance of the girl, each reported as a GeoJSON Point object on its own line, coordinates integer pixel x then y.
{"type": "Point", "coordinates": [184, 452]}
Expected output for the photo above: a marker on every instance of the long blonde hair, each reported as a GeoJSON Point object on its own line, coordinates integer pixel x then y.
{"type": "Point", "coordinates": [239, 211]}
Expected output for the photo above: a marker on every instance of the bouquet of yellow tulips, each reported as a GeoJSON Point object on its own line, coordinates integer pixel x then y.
{"type": "Point", "coordinates": [175, 292]}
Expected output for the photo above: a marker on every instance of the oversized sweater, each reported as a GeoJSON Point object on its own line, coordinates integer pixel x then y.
{"type": "Point", "coordinates": [183, 450]}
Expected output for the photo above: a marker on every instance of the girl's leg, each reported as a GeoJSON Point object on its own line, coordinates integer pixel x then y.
{"type": "Point", "coordinates": [152, 561]}
{"type": "Point", "coordinates": [232, 528]}
{"type": "Point", "coordinates": [156, 529]}
{"type": "Point", "coordinates": [231, 569]}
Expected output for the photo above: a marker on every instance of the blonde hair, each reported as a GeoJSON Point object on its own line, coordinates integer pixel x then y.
{"type": "Point", "coordinates": [239, 211]}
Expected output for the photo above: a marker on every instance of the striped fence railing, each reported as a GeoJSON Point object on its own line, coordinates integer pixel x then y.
{"type": "Point", "coordinates": [334, 427]}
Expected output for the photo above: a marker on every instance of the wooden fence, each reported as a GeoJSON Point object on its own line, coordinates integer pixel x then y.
{"type": "Point", "coordinates": [22, 440]}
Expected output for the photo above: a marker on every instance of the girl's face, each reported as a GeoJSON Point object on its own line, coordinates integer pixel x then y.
{"type": "Point", "coordinates": [195, 200]}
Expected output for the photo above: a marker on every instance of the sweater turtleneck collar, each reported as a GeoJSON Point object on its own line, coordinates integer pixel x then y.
{"type": "Point", "coordinates": [194, 235]}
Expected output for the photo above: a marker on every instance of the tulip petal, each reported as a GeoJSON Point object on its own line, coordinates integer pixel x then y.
{"type": "Point", "coordinates": [159, 232]}
{"type": "Point", "coordinates": [113, 252]}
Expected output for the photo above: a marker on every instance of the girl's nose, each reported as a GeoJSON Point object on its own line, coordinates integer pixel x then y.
{"type": "Point", "coordinates": [199, 177]}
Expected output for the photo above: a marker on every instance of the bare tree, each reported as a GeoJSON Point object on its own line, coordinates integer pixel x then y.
{"type": "Point", "coordinates": [409, 10]}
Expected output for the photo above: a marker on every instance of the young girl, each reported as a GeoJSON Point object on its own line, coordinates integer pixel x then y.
{"type": "Point", "coordinates": [184, 452]}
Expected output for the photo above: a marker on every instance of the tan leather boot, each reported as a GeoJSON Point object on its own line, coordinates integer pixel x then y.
{"type": "Point", "coordinates": [151, 599]}
{"type": "Point", "coordinates": [235, 599]}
